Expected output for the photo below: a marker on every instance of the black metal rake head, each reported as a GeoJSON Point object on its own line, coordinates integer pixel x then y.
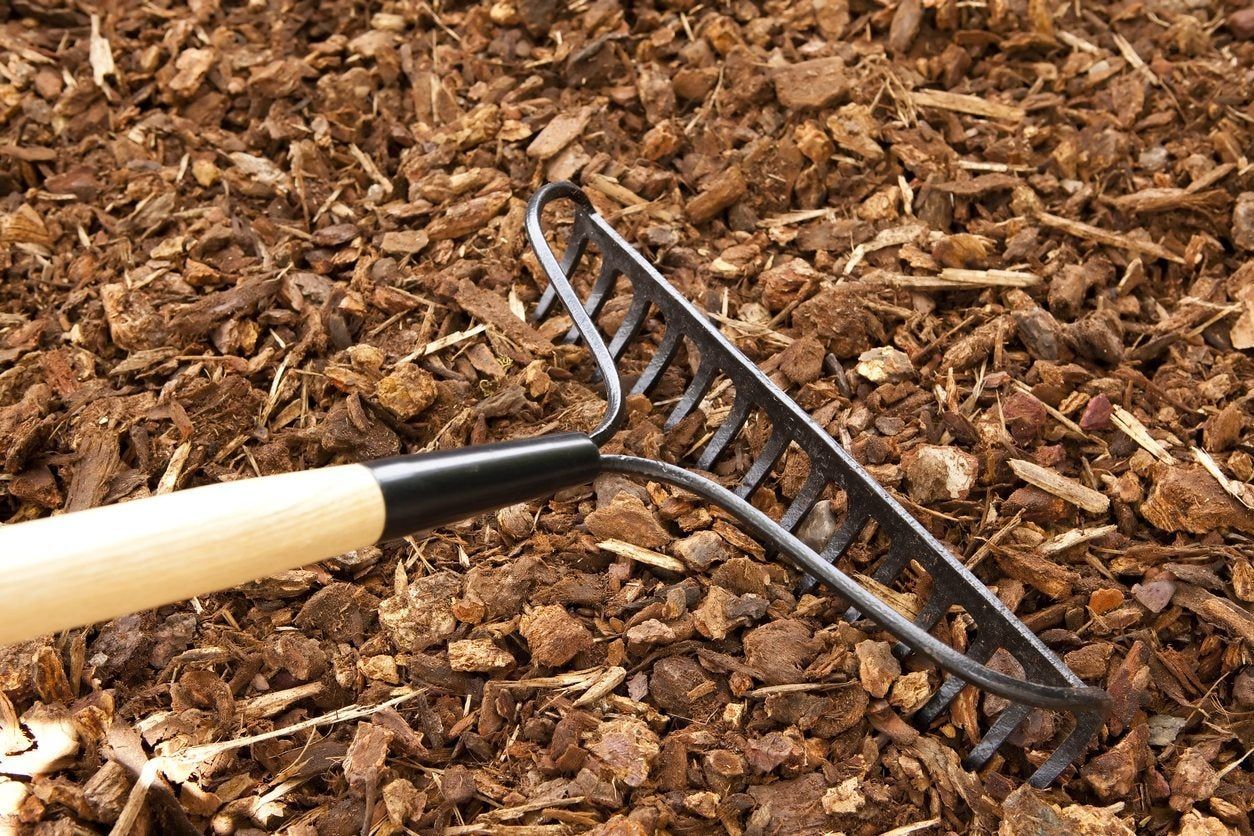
{"type": "Point", "coordinates": [1047, 684]}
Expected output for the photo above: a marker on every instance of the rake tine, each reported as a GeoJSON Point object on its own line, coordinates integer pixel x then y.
{"type": "Point", "coordinates": [692, 395]}
{"type": "Point", "coordinates": [1004, 726]}
{"type": "Point", "coordinates": [631, 324]}
{"type": "Point", "coordinates": [935, 608]}
{"type": "Point", "coordinates": [725, 433]}
{"type": "Point", "coordinates": [546, 302]}
{"type": "Point", "coordinates": [762, 465]}
{"type": "Point", "coordinates": [938, 603]}
{"type": "Point", "coordinates": [575, 248]}
{"type": "Point", "coordinates": [653, 372]}
{"type": "Point", "coordinates": [804, 500]}
{"type": "Point", "coordinates": [855, 521]}
{"type": "Point", "coordinates": [1086, 726]}
{"type": "Point", "coordinates": [980, 651]}
{"type": "Point", "coordinates": [596, 297]}
{"type": "Point", "coordinates": [892, 564]}
{"type": "Point", "coordinates": [890, 567]}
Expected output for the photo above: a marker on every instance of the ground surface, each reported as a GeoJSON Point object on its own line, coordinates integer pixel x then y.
{"type": "Point", "coordinates": [243, 238]}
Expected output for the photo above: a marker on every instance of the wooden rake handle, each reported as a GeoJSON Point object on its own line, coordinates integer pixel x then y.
{"type": "Point", "coordinates": [81, 568]}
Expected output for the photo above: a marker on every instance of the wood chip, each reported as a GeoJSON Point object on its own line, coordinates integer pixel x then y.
{"type": "Point", "coordinates": [721, 192]}
{"type": "Point", "coordinates": [952, 278]}
{"type": "Point", "coordinates": [488, 307]}
{"type": "Point", "coordinates": [101, 55]}
{"type": "Point", "coordinates": [562, 130]}
{"type": "Point", "coordinates": [1113, 239]}
{"type": "Point", "coordinates": [1075, 537]}
{"type": "Point", "coordinates": [643, 555]}
{"type": "Point", "coordinates": [1216, 610]}
{"type": "Point", "coordinates": [963, 103]}
{"type": "Point", "coordinates": [1128, 424]}
{"type": "Point", "coordinates": [1060, 486]}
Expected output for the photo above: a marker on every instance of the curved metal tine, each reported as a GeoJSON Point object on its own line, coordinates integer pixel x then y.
{"type": "Point", "coordinates": [979, 652]}
{"type": "Point", "coordinates": [596, 297]}
{"type": "Point", "coordinates": [726, 432]}
{"type": "Point", "coordinates": [661, 359]}
{"type": "Point", "coordinates": [938, 603]}
{"type": "Point", "coordinates": [804, 500]}
{"type": "Point", "coordinates": [546, 301]}
{"type": "Point", "coordinates": [855, 521]}
{"type": "Point", "coordinates": [575, 248]}
{"type": "Point", "coordinates": [761, 467]}
{"type": "Point", "coordinates": [1069, 751]}
{"type": "Point", "coordinates": [890, 567]}
{"type": "Point", "coordinates": [1002, 728]}
{"type": "Point", "coordinates": [692, 395]}
{"type": "Point", "coordinates": [631, 324]}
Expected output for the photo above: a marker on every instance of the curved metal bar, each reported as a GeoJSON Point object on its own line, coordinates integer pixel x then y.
{"type": "Point", "coordinates": [559, 281]}
{"type": "Point", "coordinates": [1063, 698]}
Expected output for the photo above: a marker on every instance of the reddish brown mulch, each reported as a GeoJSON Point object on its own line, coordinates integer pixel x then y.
{"type": "Point", "coordinates": [245, 238]}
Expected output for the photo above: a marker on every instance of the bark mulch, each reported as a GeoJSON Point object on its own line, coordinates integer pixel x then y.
{"type": "Point", "coordinates": [1003, 251]}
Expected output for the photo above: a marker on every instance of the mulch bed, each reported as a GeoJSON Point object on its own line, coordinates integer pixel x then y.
{"type": "Point", "coordinates": [1003, 252]}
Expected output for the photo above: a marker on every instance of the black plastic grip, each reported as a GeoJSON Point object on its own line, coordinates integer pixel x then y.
{"type": "Point", "coordinates": [426, 490]}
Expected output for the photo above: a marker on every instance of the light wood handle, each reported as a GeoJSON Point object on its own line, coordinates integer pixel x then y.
{"type": "Point", "coordinates": [86, 567]}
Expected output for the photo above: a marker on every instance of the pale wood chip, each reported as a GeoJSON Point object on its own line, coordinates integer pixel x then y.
{"type": "Point", "coordinates": [953, 279]}
{"type": "Point", "coordinates": [603, 685]}
{"type": "Point", "coordinates": [1060, 486]}
{"type": "Point", "coordinates": [989, 278]}
{"type": "Point", "coordinates": [1127, 423]}
{"type": "Point", "coordinates": [790, 218]}
{"type": "Point", "coordinates": [614, 190]}
{"type": "Point", "coordinates": [905, 603]}
{"type": "Point", "coordinates": [1102, 236]}
{"type": "Point", "coordinates": [100, 56]}
{"type": "Point", "coordinates": [1078, 43]}
{"type": "Point", "coordinates": [964, 103]}
{"type": "Point", "coordinates": [642, 555]}
{"type": "Point", "coordinates": [917, 827]}
{"type": "Point", "coordinates": [169, 479]}
{"type": "Point", "coordinates": [443, 343]}
{"type": "Point", "coordinates": [1130, 55]}
{"type": "Point", "coordinates": [1074, 537]}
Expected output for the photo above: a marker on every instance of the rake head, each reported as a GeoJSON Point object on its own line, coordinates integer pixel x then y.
{"type": "Point", "coordinates": [714, 365]}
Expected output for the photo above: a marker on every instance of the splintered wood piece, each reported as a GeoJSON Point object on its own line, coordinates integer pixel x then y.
{"type": "Point", "coordinates": [990, 278]}
{"type": "Point", "coordinates": [1074, 537]}
{"type": "Point", "coordinates": [1060, 486]}
{"type": "Point", "coordinates": [642, 555]}
{"type": "Point", "coordinates": [905, 603]}
{"type": "Point", "coordinates": [954, 278]}
{"type": "Point", "coordinates": [603, 685]}
{"type": "Point", "coordinates": [1113, 239]}
{"type": "Point", "coordinates": [964, 103]}
{"type": "Point", "coordinates": [1135, 430]}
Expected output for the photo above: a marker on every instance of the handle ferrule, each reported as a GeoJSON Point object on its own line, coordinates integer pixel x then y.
{"type": "Point", "coordinates": [423, 491]}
